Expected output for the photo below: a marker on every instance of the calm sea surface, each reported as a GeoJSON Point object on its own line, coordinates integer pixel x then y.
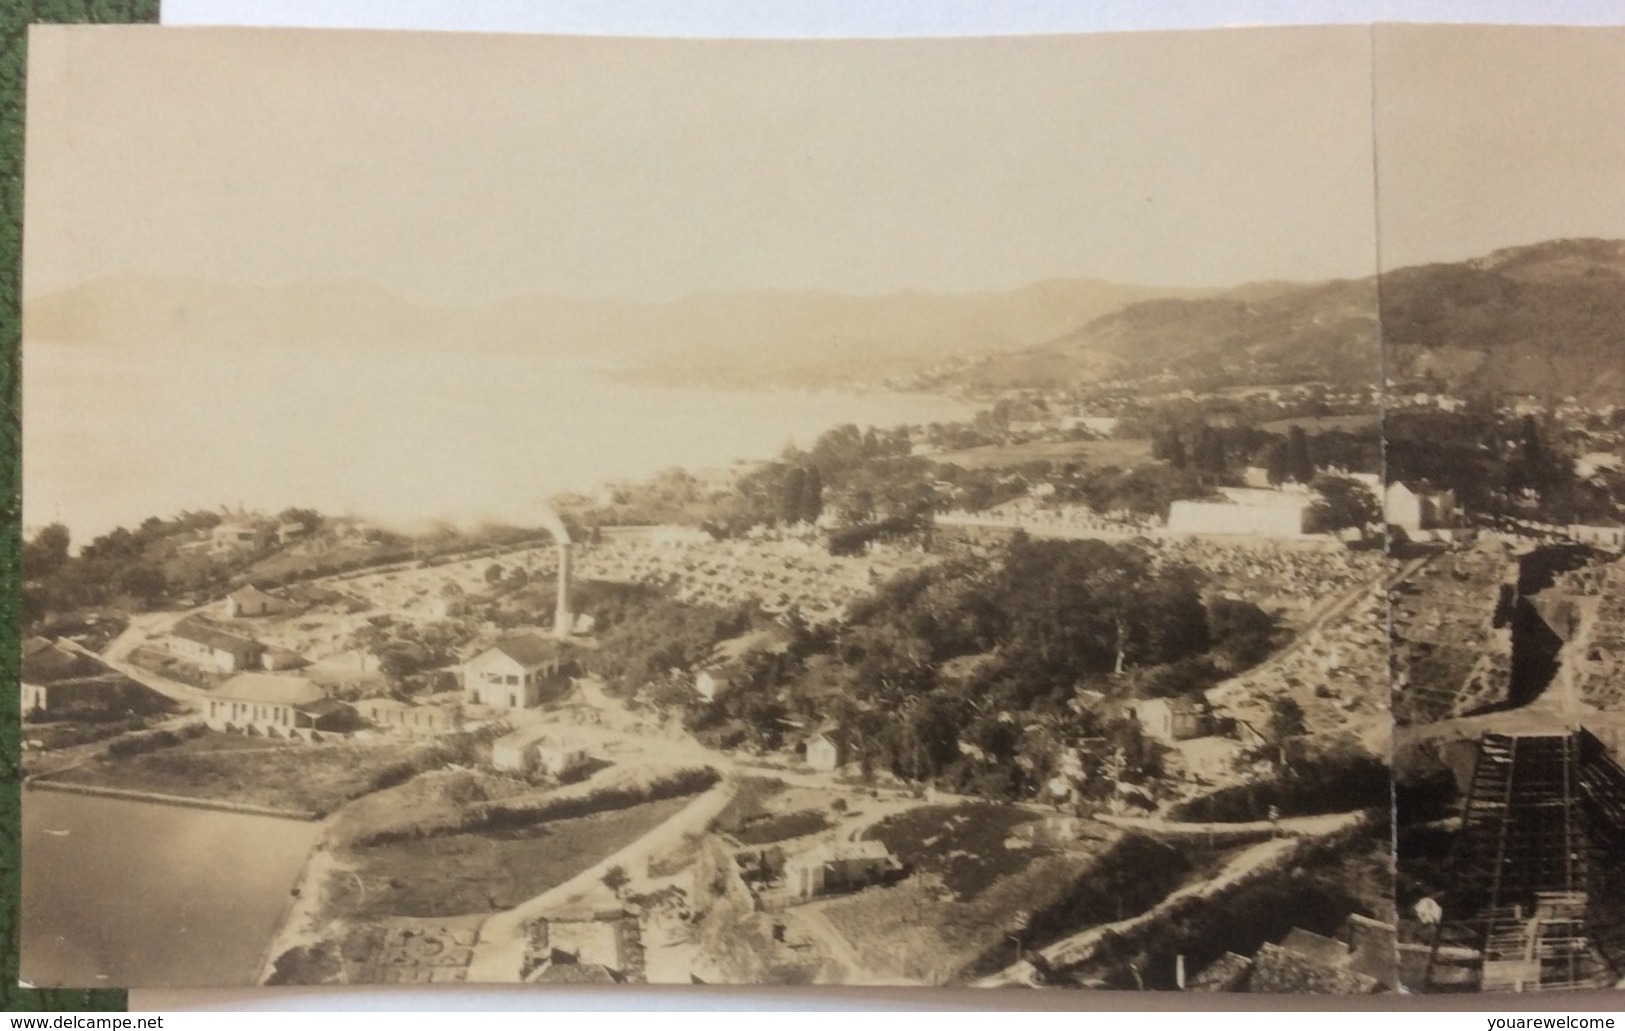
{"type": "Point", "coordinates": [127, 894]}
{"type": "Point", "coordinates": [114, 434]}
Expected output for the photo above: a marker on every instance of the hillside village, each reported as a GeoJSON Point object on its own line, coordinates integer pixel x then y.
{"type": "Point", "coordinates": [1098, 689]}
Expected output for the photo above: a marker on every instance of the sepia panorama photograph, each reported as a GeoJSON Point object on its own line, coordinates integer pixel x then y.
{"type": "Point", "coordinates": [1044, 512]}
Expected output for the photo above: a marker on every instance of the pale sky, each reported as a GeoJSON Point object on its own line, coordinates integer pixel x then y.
{"type": "Point", "coordinates": [474, 167]}
{"type": "Point", "coordinates": [1489, 137]}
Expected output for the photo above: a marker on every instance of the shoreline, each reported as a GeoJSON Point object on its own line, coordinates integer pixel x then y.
{"type": "Point", "coordinates": [294, 926]}
{"type": "Point", "coordinates": [44, 783]}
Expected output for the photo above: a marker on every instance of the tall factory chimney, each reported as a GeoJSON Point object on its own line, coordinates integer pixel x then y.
{"type": "Point", "coordinates": [562, 619]}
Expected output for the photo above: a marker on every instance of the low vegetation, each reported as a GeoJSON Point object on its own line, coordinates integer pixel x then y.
{"type": "Point", "coordinates": [1313, 778]}
{"type": "Point", "coordinates": [296, 776]}
{"type": "Point", "coordinates": [969, 847]}
{"type": "Point", "coordinates": [496, 867]}
{"type": "Point", "coordinates": [768, 829]}
{"type": "Point", "coordinates": [394, 819]}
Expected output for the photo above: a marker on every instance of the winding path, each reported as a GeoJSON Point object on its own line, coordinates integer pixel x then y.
{"type": "Point", "coordinates": [1252, 863]}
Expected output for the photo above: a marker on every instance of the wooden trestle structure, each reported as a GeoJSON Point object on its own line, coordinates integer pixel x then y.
{"type": "Point", "coordinates": [1541, 814]}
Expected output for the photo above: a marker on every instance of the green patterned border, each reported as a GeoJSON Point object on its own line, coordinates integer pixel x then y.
{"type": "Point", "coordinates": [15, 17]}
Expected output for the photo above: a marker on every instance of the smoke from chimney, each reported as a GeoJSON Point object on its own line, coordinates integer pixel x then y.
{"type": "Point", "coordinates": [562, 619]}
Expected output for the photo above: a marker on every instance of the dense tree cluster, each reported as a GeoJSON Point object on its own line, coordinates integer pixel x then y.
{"type": "Point", "coordinates": [977, 672]}
{"type": "Point", "coordinates": [122, 567]}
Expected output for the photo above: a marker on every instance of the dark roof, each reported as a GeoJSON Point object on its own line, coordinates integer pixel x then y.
{"type": "Point", "coordinates": [322, 707]}
{"type": "Point", "coordinates": [1181, 704]}
{"type": "Point", "coordinates": [194, 629]}
{"type": "Point", "coordinates": [1375, 947]}
{"type": "Point", "coordinates": [527, 649]}
{"type": "Point", "coordinates": [1317, 947]}
{"type": "Point", "coordinates": [1279, 970]}
{"type": "Point", "coordinates": [834, 735]}
{"type": "Point", "coordinates": [249, 592]}
{"type": "Point", "coordinates": [573, 973]}
{"type": "Point", "coordinates": [50, 662]}
{"type": "Point", "coordinates": [1419, 486]}
{"type": "Point", "coordinates": [1228, 973]}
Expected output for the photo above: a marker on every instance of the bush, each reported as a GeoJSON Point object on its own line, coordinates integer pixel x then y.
{"type": "Point", "coordinates": [1330, 782]}
{"type": "Point", "coordinates": [529, 810]}
{"type": "Point", "coordinates": [765, 830]}
{"type": "Point", "coordinates": [152, 741]}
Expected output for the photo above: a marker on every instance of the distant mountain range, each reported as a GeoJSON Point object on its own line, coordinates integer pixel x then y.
{"type": "Point", "coordinates": [1546, 319]}
{"type": "Point", "coordinates": [756, 337]}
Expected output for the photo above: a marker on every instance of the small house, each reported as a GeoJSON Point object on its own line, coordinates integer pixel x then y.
{"type": "Point", "coordinates": [290, 531]}
{"type": "Point", "coordinates": [827, 751]}
{"type": "Point", "coordinates": [214, 647]}
{"type": "Point", "coordinates": [837, 866]}
{"type": "Point", "coordinates": [276, 658]}
{"type": "Point", "coordinates": [1417, 506]}
{"type": "Point", "coordinates": [514, 753]}
{"type": "Point", "coordinates": [711, 683]}
{"type": "Point", "coordinates": [1173, 719]}
{"type": "Point", "coordinates": [451, 602]}
{"type": "Point", "coordinates": [233, 536]}
{"type": "Point", "coordinates": [557, 758]}
{"type": "Point", "coordinates": [524, 750]}
{"type": "Point", "coordinates": [251, 601]}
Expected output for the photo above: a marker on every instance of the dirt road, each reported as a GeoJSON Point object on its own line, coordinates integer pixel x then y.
{"type": "Point", "coordinates": [1250, 864]}
{"type": "Point", "coordinates": [499, 954]}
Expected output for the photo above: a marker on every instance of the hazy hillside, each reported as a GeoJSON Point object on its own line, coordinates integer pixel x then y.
{"type": "Point", "coordinates": [1547, 319]}
{"type": "Point", "coordinates": [1279, 334]}
{"type": "Point", "coordinates": [780, 337]}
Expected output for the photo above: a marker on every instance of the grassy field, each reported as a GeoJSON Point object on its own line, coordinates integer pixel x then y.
{"type": "Point", "coordinates": [493, 869]}
{"type": "Point", "coordinates": [782, 827]}
{"type": "Point", "coordinates": [917, 931]}
{"type": "Point", "coordinates": [228, 767]}
{"type": "Point", "coordinates": [1097, 453]}
{"type": "Point", "coordinates": [967, 846]}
